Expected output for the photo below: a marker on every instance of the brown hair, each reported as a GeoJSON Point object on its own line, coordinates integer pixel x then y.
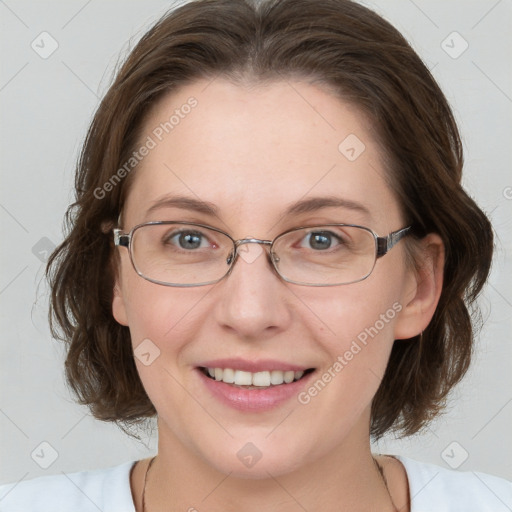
{"type": "Point", "coordinates": [336, 43]}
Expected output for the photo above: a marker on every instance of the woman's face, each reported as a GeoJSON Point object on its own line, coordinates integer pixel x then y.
{"type": "Point", "coordinates": [252, 153]}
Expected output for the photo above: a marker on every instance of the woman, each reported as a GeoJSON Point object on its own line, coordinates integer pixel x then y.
{"type": "Point", "coordinates": [272, 252]}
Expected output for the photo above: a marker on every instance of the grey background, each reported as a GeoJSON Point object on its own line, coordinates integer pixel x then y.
{"type": "Point", "coordinates": [46, 105]}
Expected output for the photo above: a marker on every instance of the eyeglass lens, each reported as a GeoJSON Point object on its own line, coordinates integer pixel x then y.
{"type": "Point", "coordinates": [184, 254]}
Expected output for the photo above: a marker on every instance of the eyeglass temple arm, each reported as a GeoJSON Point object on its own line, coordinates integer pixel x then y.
{"type": "Point", "coordinates": [120, 239]}
{"type": "Point", "coordinates": [386, 243]}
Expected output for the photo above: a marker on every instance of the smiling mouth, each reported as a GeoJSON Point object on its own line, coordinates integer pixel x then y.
{"type": "Point", "coordinates": [256, 380]}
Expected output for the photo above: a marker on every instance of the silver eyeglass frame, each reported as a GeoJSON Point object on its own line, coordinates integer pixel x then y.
{"type": "Point", "coordinates": [382, 246]}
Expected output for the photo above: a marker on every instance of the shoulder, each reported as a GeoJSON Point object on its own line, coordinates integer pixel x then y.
{"type": "Point", "coordinates": [433, 488]}
{"type": "Point", "coordinates": [107, 490]}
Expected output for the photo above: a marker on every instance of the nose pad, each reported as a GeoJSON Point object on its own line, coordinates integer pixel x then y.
{"type": "Point", "coordinates": [271, 256]}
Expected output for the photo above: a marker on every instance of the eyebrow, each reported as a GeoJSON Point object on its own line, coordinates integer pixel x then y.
{"type": "Point", "coordinates": [302, 206]}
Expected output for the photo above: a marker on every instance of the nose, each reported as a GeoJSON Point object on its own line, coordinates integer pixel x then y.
{"type": "Point", "coordinates": [241, 246]}
{"type": "Point", "coordinates": [252, 297]}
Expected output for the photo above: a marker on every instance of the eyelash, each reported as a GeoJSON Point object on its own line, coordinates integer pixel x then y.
{"type": "Point", "coordinates": [173, 234]}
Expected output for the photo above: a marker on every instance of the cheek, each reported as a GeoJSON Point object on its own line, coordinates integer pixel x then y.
{"type": "Point", "coordinates": [357, 337]}
{"type": "Point", "coordinates": [360, 311]}
{"type": "Point", "coordinates": [163, 321]}
{"type": "Point", "coordinates": [164, 315]}
{"type": "Point", "coordinates": [147, 304]}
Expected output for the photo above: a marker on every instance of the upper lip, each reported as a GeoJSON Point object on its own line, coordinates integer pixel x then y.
{"type": "Point", "coordinates": [253, 366]}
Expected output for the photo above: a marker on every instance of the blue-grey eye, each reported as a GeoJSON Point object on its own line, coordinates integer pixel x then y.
{"type": "Point", "coordinates": [186, 239]}
{"type": "Point", "coordinates": [321, 240]}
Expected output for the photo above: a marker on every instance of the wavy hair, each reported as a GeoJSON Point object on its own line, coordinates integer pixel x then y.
{"type": "Point", "coordinates": [362, 58]}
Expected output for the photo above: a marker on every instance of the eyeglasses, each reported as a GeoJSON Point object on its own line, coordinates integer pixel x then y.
{"type": "Point", "coordinates": [174, 253]}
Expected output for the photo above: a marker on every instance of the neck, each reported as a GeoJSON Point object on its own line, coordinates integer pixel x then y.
{"type": "Point", "coordinates": [345, 479]}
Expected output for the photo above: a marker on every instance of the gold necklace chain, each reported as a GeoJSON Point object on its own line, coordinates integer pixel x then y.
{"type": "Point", "coordinates": [144, 488]}
{"type": "Point", "coordinates": [381, 472]}
{"type": "Point", "coordinates": [379, 468]}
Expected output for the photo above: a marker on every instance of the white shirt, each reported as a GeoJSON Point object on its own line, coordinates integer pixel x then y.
{"type": "Point", "coordinates": [432, 489]}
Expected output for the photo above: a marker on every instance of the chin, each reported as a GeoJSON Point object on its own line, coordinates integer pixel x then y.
{"type": "Point", "coordinates": [257, 459]}
{"type": "Point", "coordinates": [264, 468]}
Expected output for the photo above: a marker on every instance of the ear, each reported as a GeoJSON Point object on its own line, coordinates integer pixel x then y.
{"type": "Point", "coordinates": [422, 288]}
{"type": "Point", "coordinates": [118, 305]}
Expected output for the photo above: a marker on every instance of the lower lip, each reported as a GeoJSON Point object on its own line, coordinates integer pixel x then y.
{"type": "Point", "coordinates": [255, 400]}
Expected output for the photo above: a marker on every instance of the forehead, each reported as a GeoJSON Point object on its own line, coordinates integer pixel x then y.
{"type": "Point", "coordinates": [254, 151]}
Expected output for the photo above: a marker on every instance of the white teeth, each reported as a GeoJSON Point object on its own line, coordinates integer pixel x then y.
{"type": "Point", "coordinates": [276, 377]}
{"type": "Point", "coordinates": [241, 378]}
{"type": "Point", "coordinates": [228, 375]}
{"type": "Point", "coordinates": [259, 379]}
{"type": "Point", "coordinates": [289, 376]}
